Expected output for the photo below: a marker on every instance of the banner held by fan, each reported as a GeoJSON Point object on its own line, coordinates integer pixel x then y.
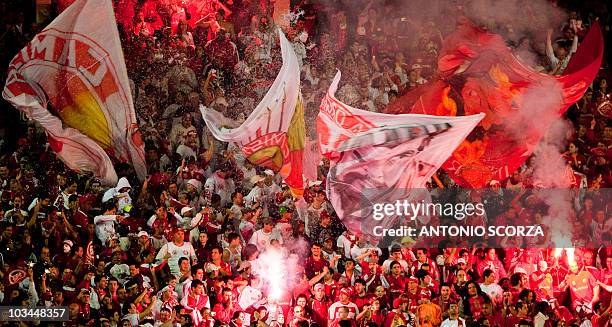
{"type": "Point", "coordinates": [71, 79]}
{"type": "Point", "coordinates": [478, 73]}
{"type": "Point", "coordinates": [273, 135]}
{"type": "Point", "coordinates": [381, 158]}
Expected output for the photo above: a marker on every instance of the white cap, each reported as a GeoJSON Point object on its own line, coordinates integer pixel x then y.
{"type": "Point", "coordinates": [315, 183]}
{"type": "Point", "coordinates": [520, 270]}
{"type": "Point", "coordinates": [185, 209]}
{"type": "Point", "coordinates": [269, 172]}
{"type": "Point", "coordinates": [143, 233]}
{"type": "Point", "coordinates": [195, 183]}
{"type": "Point", "coordinates": [69, 242]}
{"type": "Point", "coordinates": [257, 178]}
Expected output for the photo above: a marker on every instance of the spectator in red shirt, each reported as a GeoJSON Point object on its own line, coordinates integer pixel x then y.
{"type": "Point", "coordinates": [397, 282]}
{"type": "Point", "coordinates": [222, 52]}
{"type": "Point", "coordinates": [422, 258]}
{"type": "Point", "coordinates": [492, 262]}
{"type": "Point", "coordinates": [583, 286]}
{"type": "Point", "coordinates": [360, 297]}
{"type": "Point", "coordinates": [522, 313]}
{"type": "Point", "coordinates": [444, 299]}
{"type": "Point", "coordinates": [475, 300]}
{"type": "Point", "coordinates": [399, 316]}
{"type": "Point", "coordinates": [494, 316]}
{"type": "Point", "coordinates": [374, 276]}
{"type": "Point", "coordinates": [343, 319]}
{"type": "Point", "coordinates": [371, 314]}
{"type": "Point", "coordinates": [315, 263]}
{"type": "Point", "coordinates": [319, 305]}
{"type": "Point", "coordinates": [413, 293]}
{"type": "Point", "coordinates": [224, 310]}
{"type": "Point", "coordinates": [601, 316]}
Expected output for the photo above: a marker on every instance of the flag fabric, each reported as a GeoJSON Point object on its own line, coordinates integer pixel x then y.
{"type": "Point", "coordinates": [90, 253]}
{"type": "Point", "coordinates": [478, 73]}
{"type": "Point", "coordinates": [381, 158]}
{"type": "Point", "coordinates": [64, 4]}
{"type": "Point", "coordinates": [273, 135]}
{"type": "Point", "coordinates": [16, 276]}
{"type": "Point", "coordinates": [312, 158]}
{"type": "Point", "coordinates": [71, 79]}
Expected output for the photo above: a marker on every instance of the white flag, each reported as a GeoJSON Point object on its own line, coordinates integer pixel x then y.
{"type": "Point", "coordinates": [273, 135]}
{"type": "Point", "coordinates": [71, 79]}
{"type": "Point", "coordinates": [381, 158]}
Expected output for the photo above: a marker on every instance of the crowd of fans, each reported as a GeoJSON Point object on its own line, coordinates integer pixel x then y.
{"type": "Point", "coordinates": [189, 246]}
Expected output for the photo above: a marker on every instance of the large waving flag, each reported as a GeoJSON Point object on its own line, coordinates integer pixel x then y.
{"type": "Point", "coordinates": [478, 73]}
{"type": "Point", "coordinates": [71, 79]}
{"type": "Point", "coordinates": [273, 135]}
{"type": "Point", "coordinates": [380, 158]}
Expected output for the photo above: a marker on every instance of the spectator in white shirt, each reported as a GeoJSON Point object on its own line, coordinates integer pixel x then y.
{"type": "Point", "coordinates": [263, 236]}
{"type": "Point", "coordinates": [362, 246]}
{"type": "Point", "coordinates": [258, 192]}
{"type": "Point", "coordinates": [173, 251]}
{"type": "Point", "coordinates": [345, 243]}
{"type": "Point", "coordinates": [561, 57]}
{"type": "Point", "coordinates": [396, 255]}
{"type": "Point", "coordinates": [493, 290]}
{"type": "Point", "coordinates": [453, 319]}
{"type": "Point", "coordinates": [250, 296]}
{"type": "Point", "coordinates": [105, 223]}
{"type": "Point", "coordinates": [539, 320]}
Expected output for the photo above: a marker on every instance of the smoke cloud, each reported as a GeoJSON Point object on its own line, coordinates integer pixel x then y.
{"type": "Point", "coordinates": [512, 19]}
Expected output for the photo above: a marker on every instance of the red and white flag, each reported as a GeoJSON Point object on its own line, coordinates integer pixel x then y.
{"type": "Point", "coordinates": [90, 253]}
{"type": "Point", "coordinates": [381, 158]}
{"type": "Point", "coordinates": [16, 276]}
{"type": "Point", "coordinates": [273, 135]}
{"type": "Point", "coordinates": [71, 79]}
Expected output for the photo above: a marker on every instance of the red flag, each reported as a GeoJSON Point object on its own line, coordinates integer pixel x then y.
{"type": "Point", "coordinates": [478, 73]}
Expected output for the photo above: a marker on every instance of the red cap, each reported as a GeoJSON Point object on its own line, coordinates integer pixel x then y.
{"type": "Point", "coordinates": [87, 198]}
{"type": "Point", "coordinates": [399, 301]}
{"type": "Point", "coordinates": [346, 291]}
{"type": "Point", "coordinates": [413, 279]}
